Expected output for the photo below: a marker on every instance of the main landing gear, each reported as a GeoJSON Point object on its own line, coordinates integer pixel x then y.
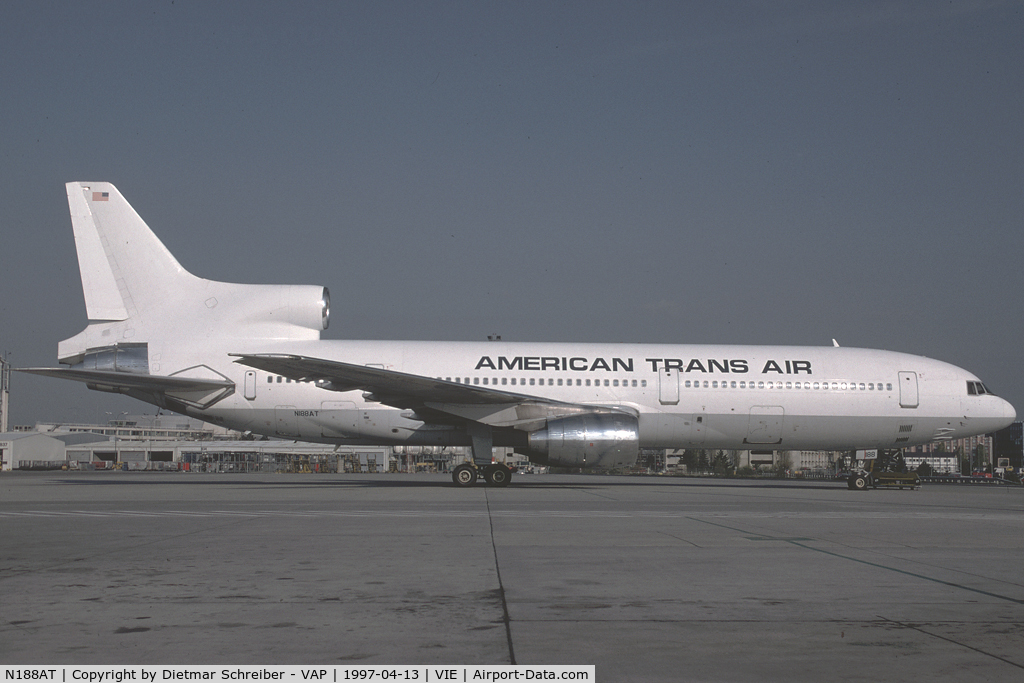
{"type": "Point", "coordinates": [494, 475]}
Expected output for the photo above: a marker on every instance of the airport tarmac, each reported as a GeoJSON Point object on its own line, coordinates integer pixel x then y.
{"type": "Point", "coordinates": [648, 578]}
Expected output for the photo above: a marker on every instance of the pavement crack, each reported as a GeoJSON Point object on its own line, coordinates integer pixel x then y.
{"type": "Point", "coordinates": [683, 540]}
{"type": "Point", "coordinates": [914, 627]}
{"type": "Point", "coordinates": [951, 584]}
{"type": "Point", "coordinates": [800, 543]}
{"type": "Point", "coordinates": [501, 586]}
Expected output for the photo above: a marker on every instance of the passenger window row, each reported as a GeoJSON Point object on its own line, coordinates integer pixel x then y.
{"type": "Point", "coordinates": [504, 381]}
{"type": "Point", "coordinates": [287, 380]}
{"type": "Point", "coordinates": [973, 388]}
{"type": "Point", "coordinates": [778, 384]}
{"type": "Point", "coordinates": [543, 381]}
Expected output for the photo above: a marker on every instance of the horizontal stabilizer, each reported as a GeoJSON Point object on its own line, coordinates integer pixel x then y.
{"type": "Point", "coordinates": [199, 393]}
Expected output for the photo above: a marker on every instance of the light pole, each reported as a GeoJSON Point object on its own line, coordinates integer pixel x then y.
{"type": "Point", "coordinates": [5, 391]}
{"type": "Point", "coordinates": [117, 429]}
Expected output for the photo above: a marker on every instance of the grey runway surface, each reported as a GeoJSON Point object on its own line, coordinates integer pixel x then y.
{"type": "Point", "coordinates": [650, 579]}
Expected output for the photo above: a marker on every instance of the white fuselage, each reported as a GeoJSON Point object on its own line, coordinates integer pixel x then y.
{"type": "Point", "coordinates": [250, 357]}
{"type": "Point", "coordinates": [731, 397]}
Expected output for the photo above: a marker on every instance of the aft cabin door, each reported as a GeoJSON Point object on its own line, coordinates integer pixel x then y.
{"type": "Point", "coordinates": [250, 385]}
{"type": "Point", "coordinates": [908, 390]}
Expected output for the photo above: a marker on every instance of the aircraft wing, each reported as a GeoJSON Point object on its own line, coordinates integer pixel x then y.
{"type": "Point", "coordinates": [425, 395]}
{"type": "Point", "coordinates": [198, 392]}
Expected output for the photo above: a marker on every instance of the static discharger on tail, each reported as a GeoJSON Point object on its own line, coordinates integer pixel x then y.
{"type": "Point", "coordinates": [250, 357]}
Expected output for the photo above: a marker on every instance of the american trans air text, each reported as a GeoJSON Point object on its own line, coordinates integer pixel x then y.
{"type": "Point", "coordinates": [582, 364]}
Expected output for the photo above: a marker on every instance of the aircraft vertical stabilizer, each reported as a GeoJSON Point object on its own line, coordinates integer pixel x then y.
{"type": "Point", "coordinates": [124, 267]}
{"type": "Point", "coordinates": [137, 294]}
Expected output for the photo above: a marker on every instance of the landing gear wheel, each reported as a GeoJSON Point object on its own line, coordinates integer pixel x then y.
{"type": "Point", "coordinates": [498, 475]}
{"type": "Point", "coordinates": [857, 482]}
{"type": "Point", "coordinates": [464, 475]}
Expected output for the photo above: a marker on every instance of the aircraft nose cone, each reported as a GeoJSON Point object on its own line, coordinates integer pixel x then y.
{"type": "Point", "coordinates": [991, 415]}
{"type": "Point", "coordinates": [1009, 413]}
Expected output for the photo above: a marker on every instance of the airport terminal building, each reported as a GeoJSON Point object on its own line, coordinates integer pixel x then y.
{"type": "Point", "coordinates": [173, 442]}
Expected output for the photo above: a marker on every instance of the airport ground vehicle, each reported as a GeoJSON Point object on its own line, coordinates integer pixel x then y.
{"type": "Point", "coordinates": [888, 469]}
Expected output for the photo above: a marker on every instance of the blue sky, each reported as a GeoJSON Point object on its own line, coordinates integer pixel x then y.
{"type": "Point", "coordinates": [735, 172]}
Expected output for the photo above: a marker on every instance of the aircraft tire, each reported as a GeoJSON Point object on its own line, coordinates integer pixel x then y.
{"type": "Point", "coordinates": [464, 475]}
{"type": "Point", "coordinates": [498, 475]}
{"type": "Point", "coordinates": [858, 482]}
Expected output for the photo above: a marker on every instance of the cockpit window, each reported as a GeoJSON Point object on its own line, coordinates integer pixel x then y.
{"type": "Point", "coordinates": [977, 389]}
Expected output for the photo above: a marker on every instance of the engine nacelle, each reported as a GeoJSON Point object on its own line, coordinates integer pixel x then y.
{"type": "Point", "coordinates": [300, 305]}
{"type": "Point", "coordinates": [258, 311]}
{"type": "Point", "coordinates": [603, 440]}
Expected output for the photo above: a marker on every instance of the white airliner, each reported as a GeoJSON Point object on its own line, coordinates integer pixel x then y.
{"type": "Point", "coordinates": [250, 357]}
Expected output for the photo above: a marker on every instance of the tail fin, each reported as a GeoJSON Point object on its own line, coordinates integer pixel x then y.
{"type": "Point", "coordinates": [137, 294]}
{"type": "Point", "coordinates": [123, 264]}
